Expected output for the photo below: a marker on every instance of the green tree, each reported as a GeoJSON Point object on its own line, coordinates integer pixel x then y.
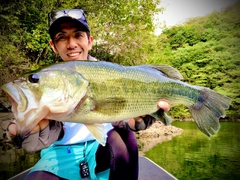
{"type": "Point", "coordinates": [206, 51]}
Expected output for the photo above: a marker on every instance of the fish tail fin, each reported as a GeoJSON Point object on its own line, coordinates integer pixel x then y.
{"type": "Point", "coordinates": [160, 115]}
{"type": "Point", "coordinates": [207, 111]}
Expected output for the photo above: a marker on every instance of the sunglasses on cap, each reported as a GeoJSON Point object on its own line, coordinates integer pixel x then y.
{"type": "Point", "coordinates": [77, 14]}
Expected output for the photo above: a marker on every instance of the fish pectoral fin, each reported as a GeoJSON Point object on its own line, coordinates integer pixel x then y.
{"type": "Point", "coordinates": [98, 132]}
{"type": "Point", "coordinates": [160, 115]}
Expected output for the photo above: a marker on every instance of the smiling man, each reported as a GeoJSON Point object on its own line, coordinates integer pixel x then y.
{"type": "Point", "coordinates": [70, 40]}
{"type": "Point", "coordinates": [69, 151]}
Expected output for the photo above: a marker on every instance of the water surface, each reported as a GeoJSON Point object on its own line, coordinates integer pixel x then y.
{"type": "Point", "coordinates": [192, 155]}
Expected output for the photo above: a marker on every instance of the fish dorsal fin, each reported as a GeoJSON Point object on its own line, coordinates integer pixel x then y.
{"type": "Point", "coordinates": [169, 71]}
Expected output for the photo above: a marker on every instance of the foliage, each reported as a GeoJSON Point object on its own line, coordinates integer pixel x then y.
{"type": "Point", "coordinates": [19, 19]}
{"type": "Point", "coordinates": [206, 51]}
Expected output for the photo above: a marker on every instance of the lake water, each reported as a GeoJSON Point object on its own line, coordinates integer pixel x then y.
{"type": "Point", "coordinates": [192, 155]}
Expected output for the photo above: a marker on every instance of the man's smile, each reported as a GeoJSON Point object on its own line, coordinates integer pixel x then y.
{"type": "Point", "coordinates": [73, 54]}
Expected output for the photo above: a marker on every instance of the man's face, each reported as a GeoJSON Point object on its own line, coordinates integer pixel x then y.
{"type": "Point", "coordinates": [71, 43]}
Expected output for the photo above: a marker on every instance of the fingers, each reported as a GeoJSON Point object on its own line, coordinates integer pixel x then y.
{"type": "Point", "coordinates": [41, 125]}
{"type": "Point", "coordinates": [164, 105]}
{"type": "Point", "coordinates": [131, 123]}
{"type": "Point", "coordinates": [138, 119]}
{"type": "Point", "coordinates": [12, 129]}
{"type": "Point", "coordinates": [35, 129]}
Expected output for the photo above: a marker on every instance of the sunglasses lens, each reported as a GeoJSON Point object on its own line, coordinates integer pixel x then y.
{"type": "Point", "coordinates": [74, 13]}
{"type": "Point", "coordinates": [77, 14]}
{"type": "Point", "coordinates": [57, 15]}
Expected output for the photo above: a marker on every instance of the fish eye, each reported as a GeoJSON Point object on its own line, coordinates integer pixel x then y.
{"type": "Point", "coordinates": [33, 78]}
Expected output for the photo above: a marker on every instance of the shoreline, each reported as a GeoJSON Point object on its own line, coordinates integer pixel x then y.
{"type": "Point", "coordinates": [154, 135]}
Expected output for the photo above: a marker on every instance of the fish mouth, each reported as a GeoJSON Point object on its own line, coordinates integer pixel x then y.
{"type": "Point", "coordinates": [20, 107]}
{"type": "Point", "coordinates": [13, 92]}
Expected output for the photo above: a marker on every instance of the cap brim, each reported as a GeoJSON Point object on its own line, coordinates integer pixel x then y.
{"type": "Point", "coordinates": [55, 26]}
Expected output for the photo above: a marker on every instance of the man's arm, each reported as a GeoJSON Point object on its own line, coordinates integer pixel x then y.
{"type": "Point", "coordinates": [42, 136]}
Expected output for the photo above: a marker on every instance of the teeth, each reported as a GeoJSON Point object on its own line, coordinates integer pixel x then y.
{"type": "Point", "coordinates": [73, 54]}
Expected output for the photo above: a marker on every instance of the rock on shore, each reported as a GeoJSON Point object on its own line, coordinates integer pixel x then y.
{"type": "Point", "coordinates": [154, 135]}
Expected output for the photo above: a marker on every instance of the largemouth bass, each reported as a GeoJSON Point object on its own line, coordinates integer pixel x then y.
{"type": "Point", "coordinates": [97, 92]}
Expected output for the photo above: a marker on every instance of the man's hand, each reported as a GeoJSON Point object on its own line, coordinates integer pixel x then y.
{"type": "Point", "coordinates": [41, 136]}
{"type": "Point", "coordinates": [164, 105]}
{"type": "Point", "coordinates": [12, 128]}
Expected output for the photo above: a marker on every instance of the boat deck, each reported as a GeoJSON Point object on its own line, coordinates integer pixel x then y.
{"type": "Point", "coordinates": [150, 170]}
{"type": "Point", "coordinates": [147, 170]}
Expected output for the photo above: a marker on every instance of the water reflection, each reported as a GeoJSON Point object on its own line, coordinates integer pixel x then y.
{"type": "Point", "coordinates": [14, 161]}
{"type": "Point", "coordinates": [193, 156]}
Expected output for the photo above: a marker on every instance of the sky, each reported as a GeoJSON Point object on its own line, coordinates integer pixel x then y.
{"type": "Point", "coordinates": [178, 11]}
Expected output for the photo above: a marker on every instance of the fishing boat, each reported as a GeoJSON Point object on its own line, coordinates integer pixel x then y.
{"type": "Point", "coordinates": [147, 170]}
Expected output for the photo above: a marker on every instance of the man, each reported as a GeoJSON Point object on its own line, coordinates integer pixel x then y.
{"type": "Point", "coordinates": [69, 151]}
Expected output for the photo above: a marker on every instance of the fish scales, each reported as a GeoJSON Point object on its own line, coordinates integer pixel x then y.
{"type": "Point", "coordinates": [96, 92]}
{"type": "Point", "coordinates": [120, 99]}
